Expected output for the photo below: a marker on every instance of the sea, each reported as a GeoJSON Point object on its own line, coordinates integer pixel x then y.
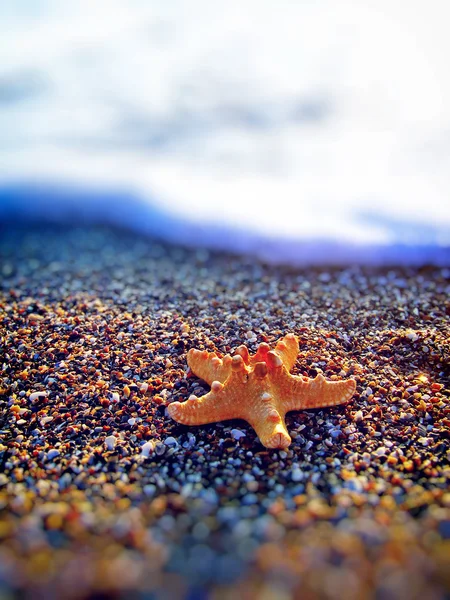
{"type": "Point", "coordinates": [301, 132]}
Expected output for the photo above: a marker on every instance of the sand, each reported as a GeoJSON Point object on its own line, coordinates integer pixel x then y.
{"type": "Point", "coordinates": [102, 493]}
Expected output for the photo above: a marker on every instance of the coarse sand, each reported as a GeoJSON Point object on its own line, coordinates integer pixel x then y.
{"type": "Point", "coordinates": [102, 495]}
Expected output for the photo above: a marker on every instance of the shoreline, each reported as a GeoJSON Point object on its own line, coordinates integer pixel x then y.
{"type": "Point", "coordinates": [399, 242]}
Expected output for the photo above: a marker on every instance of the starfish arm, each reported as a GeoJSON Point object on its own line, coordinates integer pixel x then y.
{"type": "Point", "coordinates": [208, 366]}
{"type": "Point", "coordinates": [271, 430]}
{"type": "Point", "coordinates": [198, 411]}
{"type": "Point", "coordinates": [287, 348]}
{"type": "Point", "coordinates": [307, 393]}
{"type": "Point", "coordinates": [220, 404]}
{"type": "Point", "coordinates": [262, 411]}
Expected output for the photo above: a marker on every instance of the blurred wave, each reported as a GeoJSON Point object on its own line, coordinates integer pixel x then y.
{"type": "Point", "coordinates": [57, 204]}
{"type": "Point", "coordinates": [308, 131]}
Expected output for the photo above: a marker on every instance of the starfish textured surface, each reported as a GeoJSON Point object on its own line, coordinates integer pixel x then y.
{"type": "Point", "coordinates": [258, 389]}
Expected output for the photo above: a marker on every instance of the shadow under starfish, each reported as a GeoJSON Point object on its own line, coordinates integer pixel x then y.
{"type": "Point", "coordinates": [258, 389]}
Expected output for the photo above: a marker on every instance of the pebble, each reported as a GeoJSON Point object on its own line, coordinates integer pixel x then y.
{"type": "Point", "coordinates": [237, 434]}
{"type": "Point", "coordinates": [358, 416]}
{"type": "Point", "coordinates": [35, 395]}
{"type": "Point", "coordinates": [111, 442]}
{"type": "Point", "coordinates": [412, 335]}
{"type": "Point", "coordinates": [249, 499]}
{"type": "Point", "coordinates": [296, 474]}
{"type": "Point", "coordinates": [147, 449]}
{"type": "Point", "coordinates": [160, 448]}
{"type": "Point", "coordinates": [149, 489]}
{"type": "Point", "coordinates": [381, 451]}
{"type": "Point", "coordinates": [171, 441]}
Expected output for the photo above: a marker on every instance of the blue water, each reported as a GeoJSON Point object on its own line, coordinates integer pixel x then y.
{"type": "Point", "coordinates": [285, 130]}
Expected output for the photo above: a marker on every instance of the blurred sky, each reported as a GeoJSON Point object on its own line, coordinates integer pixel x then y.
{"type": "Point", "coordinates": [318, 119]}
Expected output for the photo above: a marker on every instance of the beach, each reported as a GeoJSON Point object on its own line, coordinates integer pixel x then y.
{"type": "Point", "coordinates": [102, 494]}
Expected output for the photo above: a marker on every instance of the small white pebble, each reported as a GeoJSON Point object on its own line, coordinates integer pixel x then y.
{"type": "Point", "coordinates": [412, 335]}
{"type": "Point", "coordinates": [115, 397]}
{"type": "Point", "coordinates": [143, 388]}
{"type": "Point", "coordinates": [381, 451]}
{"type": "Point", "coordinates": [131, 421]}
{"type": "Point", "coordinates": [296, 474]}
{"type": "Point", "coordinates": [147, 448]}
{"type": "Point", "coordinates": [358, 416]}
{"type": "Point", "coordinates": [35, 395]}
{"type": "Point", "coordinates": [46, 420]}
{"type": "Point", "coordinates": [111, 442]}
{"type": "Point", "coordinates": [425, 441]}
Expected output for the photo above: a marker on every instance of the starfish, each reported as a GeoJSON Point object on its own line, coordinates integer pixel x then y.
{"type": "Point", "coordinates": [258, 389]}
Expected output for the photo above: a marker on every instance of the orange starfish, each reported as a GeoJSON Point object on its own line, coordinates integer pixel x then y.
{"type": "Point", "coordinates": [258, 389]}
